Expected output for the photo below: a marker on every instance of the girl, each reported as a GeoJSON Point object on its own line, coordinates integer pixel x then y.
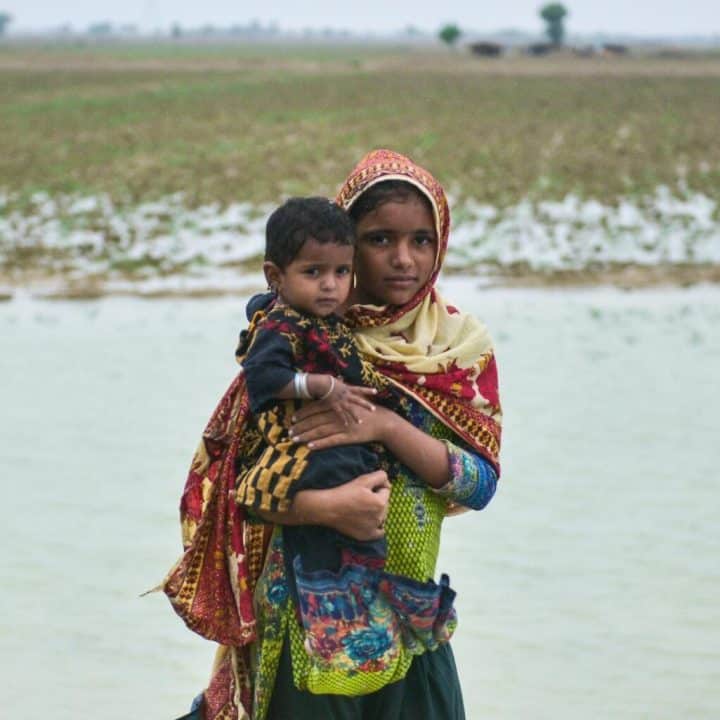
{"type": "Point", "coordinates": [445, 447]}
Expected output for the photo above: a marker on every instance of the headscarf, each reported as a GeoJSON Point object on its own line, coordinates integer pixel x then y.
{"type": "Point", "coordinates": [439, 355]}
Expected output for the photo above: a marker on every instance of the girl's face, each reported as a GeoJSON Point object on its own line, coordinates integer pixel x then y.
{"type": "Point", "coordinates": [395, 253]}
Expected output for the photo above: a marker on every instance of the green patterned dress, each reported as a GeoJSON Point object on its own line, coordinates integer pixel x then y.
{"type": "Point", "coordinates": [288, 678]}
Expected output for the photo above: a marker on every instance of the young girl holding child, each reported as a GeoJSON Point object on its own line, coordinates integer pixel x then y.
{"type": "Point", "coordinates": [297, 348]}
{"type": "Point", "coordinates": [442, 441]}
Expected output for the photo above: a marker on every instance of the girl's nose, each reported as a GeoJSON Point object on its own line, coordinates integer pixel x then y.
{"type": "Point", "coordinates": [401, 257]}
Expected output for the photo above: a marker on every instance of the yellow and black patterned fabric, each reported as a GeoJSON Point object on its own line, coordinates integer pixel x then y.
{"type": "Point", "coordinates": [265, 485]}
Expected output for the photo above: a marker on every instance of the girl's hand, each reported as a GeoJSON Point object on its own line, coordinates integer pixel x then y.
{"type": "Point", "coordinates": [345, 401]}
{"type": "Point", "coordinates": [317, 425]}
{"type": "Point", "coordinates": [357, 508]}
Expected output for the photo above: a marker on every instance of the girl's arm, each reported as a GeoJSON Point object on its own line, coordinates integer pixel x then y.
{"type": "Point", "coordinates": [459, 474]}
{"type": "Point", "coordinates": [357, 508]}
{"type": "Point", "coordinates": [426, 456]}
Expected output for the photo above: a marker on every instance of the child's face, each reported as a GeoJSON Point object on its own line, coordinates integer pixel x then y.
{"type": "Point", "coordinates": [318, 280]}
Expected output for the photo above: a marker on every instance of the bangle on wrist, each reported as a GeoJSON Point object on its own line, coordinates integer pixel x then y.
{"type": "Point", "coordinates": [300, 386]}
{"type": "Point", "coordinates": [330, 389]}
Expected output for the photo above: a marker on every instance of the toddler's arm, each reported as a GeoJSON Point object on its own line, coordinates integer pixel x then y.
{"type": "Point", "coordinates": [271, 375]}
{"type": "Point", "coordinates": [341, 398]}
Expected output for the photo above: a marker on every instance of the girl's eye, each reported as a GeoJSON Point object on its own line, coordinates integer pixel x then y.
{"type": "Point", "coordinates": [378, 239]}
{"type": "Point", "coordinates": [344, 270]}
{"type": "Point", "coordinates": [311, 272]}
{"type": "Point", "coordinates": [424, 239]}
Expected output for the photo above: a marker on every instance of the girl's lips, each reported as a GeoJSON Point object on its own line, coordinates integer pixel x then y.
{"type": "Point", "coordinates": [400, 280]}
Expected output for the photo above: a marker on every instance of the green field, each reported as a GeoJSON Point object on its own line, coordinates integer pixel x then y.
{"type": "Point", "coordinates": [232, 123]}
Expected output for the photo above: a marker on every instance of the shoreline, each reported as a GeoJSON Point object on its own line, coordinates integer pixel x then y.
{"type": "Point", "coordinates": [483, 278]}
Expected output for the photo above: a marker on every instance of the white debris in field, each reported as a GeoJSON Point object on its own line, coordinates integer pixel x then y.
{"type": "Point", "coordinates": [160, 240]}
{"type": "Point", "coordinates": [576, 233]}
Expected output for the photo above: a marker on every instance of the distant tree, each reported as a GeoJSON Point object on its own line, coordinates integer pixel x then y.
{"type": "Point", "coordinates": [176, 30]}
{"type": "Point", "coordinates": [450, 34]}
{"type": "Point", "coordinates": [5, 20]}
{"type": "Point", "coordinates": [554, 16]}
{"type": "Point", "coordinates": [101, 29]}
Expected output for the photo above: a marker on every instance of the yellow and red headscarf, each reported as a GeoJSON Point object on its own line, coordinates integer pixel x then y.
{"type": "Point", "coordinates": [440, 356]}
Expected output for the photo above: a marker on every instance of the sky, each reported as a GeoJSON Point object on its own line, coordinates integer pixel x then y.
{"type": "Point", "coordinates": [644, 17]}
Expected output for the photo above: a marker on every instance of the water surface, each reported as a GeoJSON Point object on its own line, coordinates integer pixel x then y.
{"type": "Point", "coordinates": [588, 588]}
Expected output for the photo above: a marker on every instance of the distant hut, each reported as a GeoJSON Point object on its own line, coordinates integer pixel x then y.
{"type": "Point", "coordinates": [672, 53]}
{"type": "Point", "coordinates": [615, 49]}
{"type": "Point", "coordinates": [538, 49]}
{"type": "Point", "coordinates": [487, 49]}
{"type": "Point", "coordinates": [584, 51]}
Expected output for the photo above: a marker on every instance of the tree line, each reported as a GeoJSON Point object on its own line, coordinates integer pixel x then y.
{"type": "Point", "coordinates": [552, 14]}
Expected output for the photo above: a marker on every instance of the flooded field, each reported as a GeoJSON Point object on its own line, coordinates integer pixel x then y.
{"type": "Point", "coordinates": [588, 588]}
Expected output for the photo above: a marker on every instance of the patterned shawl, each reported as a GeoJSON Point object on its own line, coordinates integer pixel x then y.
{"type": "Point", "coordinates": [211, 586]}
{"type": "Point", "coordinates": [440, 356]}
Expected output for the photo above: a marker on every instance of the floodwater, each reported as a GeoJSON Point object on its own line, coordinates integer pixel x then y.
{"type": "Point", "coordinates": [588, 588]}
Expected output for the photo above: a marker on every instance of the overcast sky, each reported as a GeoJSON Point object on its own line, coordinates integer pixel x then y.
{"type": "Point", "coordinates": [645, 17]}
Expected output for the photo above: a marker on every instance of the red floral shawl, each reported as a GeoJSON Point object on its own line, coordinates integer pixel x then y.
{"type": "Point", "coordinates": [211, 586]}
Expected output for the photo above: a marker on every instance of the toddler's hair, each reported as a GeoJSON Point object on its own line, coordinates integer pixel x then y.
{"type": "Point", "coordinates": [384, 192]}
{"type": "Point", "coordinates": [298, 219]}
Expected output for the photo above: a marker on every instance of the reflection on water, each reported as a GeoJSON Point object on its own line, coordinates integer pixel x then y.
{"type": "Point", "coordinates": [588, 588]}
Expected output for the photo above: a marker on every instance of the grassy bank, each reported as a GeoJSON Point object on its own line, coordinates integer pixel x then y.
{"type": "Point", "coordinates": [230, 124]}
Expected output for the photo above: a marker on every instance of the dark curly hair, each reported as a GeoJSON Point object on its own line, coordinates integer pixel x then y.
{"type": "Point", "coordinates": [384, 192]}
{"type": "Point", "coordinates": [290, 226]}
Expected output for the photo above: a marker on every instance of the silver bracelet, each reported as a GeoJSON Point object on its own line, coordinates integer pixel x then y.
{"type": "Point", "coordinates": [301, 387]}
{"type": "Point", "coordinates": [329, 392]}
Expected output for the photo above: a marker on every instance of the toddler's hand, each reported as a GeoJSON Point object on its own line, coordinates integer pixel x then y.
{"type": "Point", "coordinates": [344, 399]}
